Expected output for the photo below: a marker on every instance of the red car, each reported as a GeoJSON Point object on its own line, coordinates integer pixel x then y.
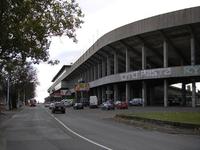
{"type": "Point", "coordinates": [121, 105]}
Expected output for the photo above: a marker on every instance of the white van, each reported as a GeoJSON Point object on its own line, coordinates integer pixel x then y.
{"type": "Point", "coordinates": [93, 102]}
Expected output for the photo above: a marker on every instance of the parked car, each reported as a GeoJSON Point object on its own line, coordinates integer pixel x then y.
{"type": "Point", "coordinates": [32, 103]}
{"type": "Point", "coordinates": [47, 104]}
{"type": "Point", "coordinates": [174, 101]}
{"type": "Point", "coordinates": [58, 106]}
{"type": "Point", "coordinates": [136, 102]}
{"type": "Point", "coordinates": [108, 105]}
{"type": "Point", "coordinates": [67, 102]}
{"type": "Point", "coordinates": [51, 105]}
{"type": "Point", "coordinates": [117, 102]}
{"type": "Point", "coordinates": [121, 105]}
{"type": "Point", "coordinates": [93, 102]}
{"type": "Point", "coordinates": [78, 106]}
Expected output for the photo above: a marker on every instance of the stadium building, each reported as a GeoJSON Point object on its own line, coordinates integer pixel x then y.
{"type": "Point", "coordinates": [139, 60]}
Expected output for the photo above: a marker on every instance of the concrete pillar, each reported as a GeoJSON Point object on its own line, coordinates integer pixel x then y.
{"type": "Point", "coordinates": [127, 70]}
{"type": "Point", "coordinates": [99, 70]}
{"type": "Point", "coordinates": [116, 91]}
{"type": "Point", "coordinates": [165, 93]}
{"type": "Point", "coordinates": [193, 93]}
{"type": "Point", "coordinates": [85, 75]}
{"type": "Point", "coordinates": [127, 60]}
{"type": "Point", "coordinates": [144, 87]}
{"type": "Point", "coordinates": [165, 64]}
{"type": "Point", "coordinates": [103, 68]}
{"type": "Point", "coordinates": [99, 95]}
{"type": "Point", "coordinates": [91, 74]}
{"type": "Point", "coordinates": [183, 94]}
{"type": "Point", "coordinates": [193, 50]}
{"type": "Point", "coordinates": [108, 66]}
{"type": "Point", "coordinates": [144, 93]}
{"type": "Point", "coordinates": [152, 95]}
{"type": "Point", "coordinates": [165, 54]}
{"type": "Point", "coordinates": [144, 57]}
{"type": "Point", "coordinates": [193, 62]}
{"type": "Point", "coordinates": [95, 72]}
{"type": "Point", "coordinates": [88, 75]}
{"type": "Point", "coordinates": [127, 92]}
{"type": "Point", "coordinates": [108, 96]}
{"type": "Point", "coordinates": [116, 67]}
{"type": "Point", "coordinates": [103, 94]}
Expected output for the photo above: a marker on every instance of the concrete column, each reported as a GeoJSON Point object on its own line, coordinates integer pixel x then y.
{"type": "Point", "coordinates": [103, 68]}
{"type": "Point", "coordinates": [193, 50]}
{"type": "Point", "coordinates": [152, 95]}
{"type": "Point", "coordinates": [116, 91]}
{"type": "Point", "coordinates": [99, 95]}
{"type": "Point", "coordinates": [127, 70]}
{"type": "Point", "coordinates": [193, 93]}
{"type": "Point", "coordinates": [144, 93]}
{"type": "Point", "coordinates": [127, 92]}
{"type": "Point", "coordinates": [91, 74]}
{"type": "Point", "coordinates": [127, 60]}
{"type": "Point", "coordinates": [165, 54]}
{"type": "Point", "coordinates": [183, 94]}
{"type": "Point", "coordinates": [85, 76]}
{"type": "Point", "coordinates": [95, 72]}
{"type": "Point", "coordinates": [144, 87]}
{"type": "Point", "coordinates": [88, 75]}
{"type": "Point", "coordinates": [108, 96]}
{"type": "Point", "coordinates": [165, 64]}
{"type": "Point", "coordinates": [99, 70]}
{"type": "Point", "coordinates": [108, 66]}
{"type": "Point", "coordinates": [165, 93]}
{"type": "Point", "coordinates": [144, 57]}
{"type": "Point", "coordinates": [116, 68]}
{"type": "Point", "coordinates": [95, 92]}
{"type": "Point", "coordinates": [103, 94]}
{"type": "Point", "coordinates": [193, 62]}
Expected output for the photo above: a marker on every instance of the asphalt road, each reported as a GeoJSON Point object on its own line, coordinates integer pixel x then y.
{"type": "Point", "coordinates": [37, 129]}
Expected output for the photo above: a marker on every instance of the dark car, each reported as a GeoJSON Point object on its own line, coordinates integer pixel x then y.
{"type": "Point", "coordinates": [174, 101]}
{"type": "Point", "coordinates": [78, 106]}
{"type": "Point", "coordinates": [84, 101]}
{"type": "Point", "coordinates": [108, 105]}
{"type": "Point", "coordinates": [121, 105]}
{"type": "Point", "coordinates": [58, 106]}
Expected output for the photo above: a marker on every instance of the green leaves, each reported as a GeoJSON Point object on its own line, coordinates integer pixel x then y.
{"type": "Point", "coordinates": [25, 26]}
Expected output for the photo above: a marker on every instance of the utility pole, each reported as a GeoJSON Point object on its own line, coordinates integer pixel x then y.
{"type": "Point", "coordinates": [8, 92]}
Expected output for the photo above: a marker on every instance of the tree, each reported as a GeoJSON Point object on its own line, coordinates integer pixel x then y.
{"type": "Point", "coordinates": [26, 25]}
{"type": "Point", "coordinates": [22, 83]}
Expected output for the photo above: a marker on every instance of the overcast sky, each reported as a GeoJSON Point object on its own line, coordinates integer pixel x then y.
{"type": "Point", "coordinates": [101, 16]}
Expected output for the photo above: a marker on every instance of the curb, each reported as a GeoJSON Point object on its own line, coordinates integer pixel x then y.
{"type": "Point", "coordinates": [160, 122]}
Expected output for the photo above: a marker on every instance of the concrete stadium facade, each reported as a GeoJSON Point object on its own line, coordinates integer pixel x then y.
{"type": "Point", "coordinates": [141, 59]}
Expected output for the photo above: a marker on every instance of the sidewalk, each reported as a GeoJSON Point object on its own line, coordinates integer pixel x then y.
{"type": "Point", "coordinates": [7, 114]}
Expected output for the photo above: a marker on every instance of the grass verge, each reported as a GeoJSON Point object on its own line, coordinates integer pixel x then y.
{"type": "Point", "coordinates": [180, 117]}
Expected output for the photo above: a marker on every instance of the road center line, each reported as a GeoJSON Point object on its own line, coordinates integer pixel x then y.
{"type": "Point", "coordinates": [73, 132]}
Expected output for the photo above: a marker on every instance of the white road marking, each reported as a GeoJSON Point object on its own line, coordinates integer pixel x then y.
{"type": "Point", "coordinates": [70, 130]}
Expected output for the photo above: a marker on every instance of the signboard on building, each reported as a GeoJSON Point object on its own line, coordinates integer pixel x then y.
{"type": "Point", "coordinates": [65, 92]}
{"type": "Point", "coordinates": [56, 94]}
{"type": "Point", "coordinates": [108, 92]}
{"type": "Point", "coordinates": [82, 87]}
